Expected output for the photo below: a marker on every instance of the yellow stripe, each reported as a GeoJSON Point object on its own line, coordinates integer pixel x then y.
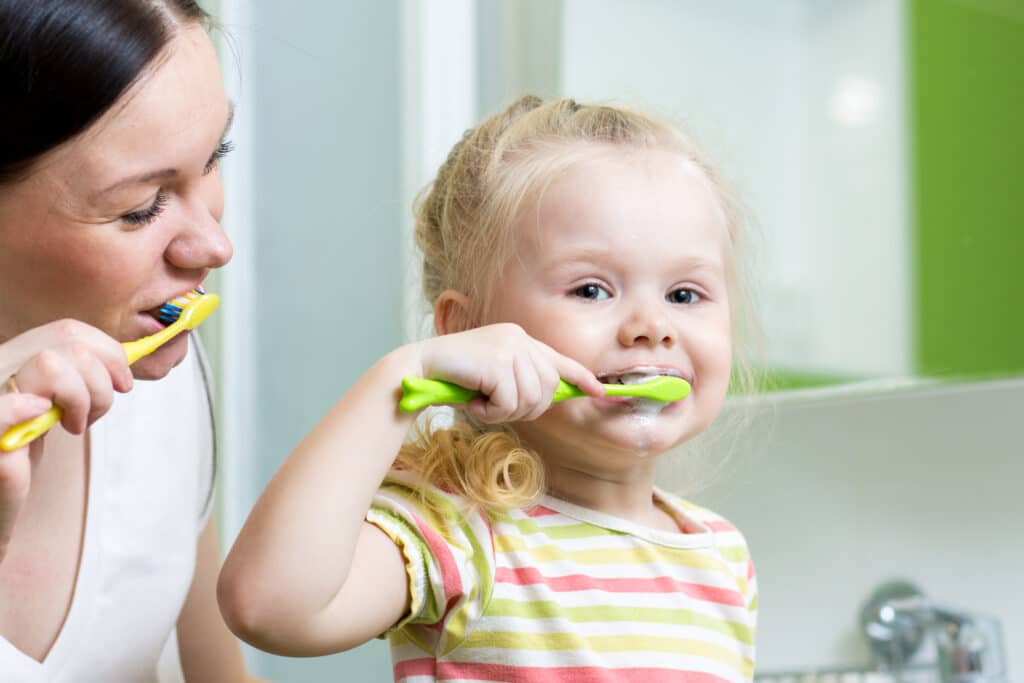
{"type": "Point", "coordinates": [513, 640]}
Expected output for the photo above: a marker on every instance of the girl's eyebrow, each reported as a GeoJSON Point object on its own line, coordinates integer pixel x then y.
{"type": "Point", "coordinates": [166, 172]}
{"type": "Point", "coordinates": [597, 256]}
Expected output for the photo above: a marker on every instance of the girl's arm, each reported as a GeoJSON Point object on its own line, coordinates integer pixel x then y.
{"type": "Point", "coordinates": [307, 575]}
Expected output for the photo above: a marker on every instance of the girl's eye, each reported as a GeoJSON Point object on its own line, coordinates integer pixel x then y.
{"type": "Point", "coordinates": [683, 296]}
{"type": "Point", "coordinates": [223, 149]}
{"type": "Point", "coordinates": [591, 292]}
{"type": "Point", "coordinates": [149, 214]}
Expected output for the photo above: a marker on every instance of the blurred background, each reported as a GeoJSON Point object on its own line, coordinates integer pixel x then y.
{"type": "Point", "coordinates": [876, 146]}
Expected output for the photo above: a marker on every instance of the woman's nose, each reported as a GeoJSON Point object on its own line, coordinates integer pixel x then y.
{"type": "Point", "coordinates": [201, 243]}
{"type": "Point", "coordinates": [646, 324]}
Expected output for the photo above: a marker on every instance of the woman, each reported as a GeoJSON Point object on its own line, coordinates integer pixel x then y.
{"type": "Point", "coordinates": [113, 123]}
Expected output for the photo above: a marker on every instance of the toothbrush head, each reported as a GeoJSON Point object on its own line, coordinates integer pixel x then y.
{"type": "Point", "coordinates": [665, 388]}
{"type": "Point", "coordinates": [171, 311]}
{"type": "Point", "coordinates": [197, 310]}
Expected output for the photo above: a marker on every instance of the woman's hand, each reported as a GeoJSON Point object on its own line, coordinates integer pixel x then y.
{"type": "Point", "coordinates": [67, 363]}
{"type": "Point", "coordinates": [516, 373]}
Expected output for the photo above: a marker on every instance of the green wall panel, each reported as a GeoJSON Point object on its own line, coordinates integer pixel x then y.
{"type": "Point", "coordinates": [966, 61]}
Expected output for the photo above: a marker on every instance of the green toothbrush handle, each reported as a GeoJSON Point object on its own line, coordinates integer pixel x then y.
{"type": "Point", "coordinates": [418, 392]}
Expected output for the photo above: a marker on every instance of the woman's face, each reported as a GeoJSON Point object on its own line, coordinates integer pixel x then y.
{"type": "Point", "coordinates": [126, 215]}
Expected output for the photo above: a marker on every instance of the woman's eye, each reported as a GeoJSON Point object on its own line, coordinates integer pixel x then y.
{"type": "Point", "coordinates": [591, 292]}
{"type": "Point", "coordinates": [683, 296]}
{"type": "Point", "coordinates": [223, 149]}
{"type": "Point", "coordinates": [149, 214]}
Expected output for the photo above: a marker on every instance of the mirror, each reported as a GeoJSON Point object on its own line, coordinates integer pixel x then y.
{"type": "Point", "coordinates": [875, 143]}
{"type": "Point", "coordinates": [869, 139]}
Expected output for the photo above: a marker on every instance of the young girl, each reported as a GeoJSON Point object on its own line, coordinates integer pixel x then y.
{"type": "Point", "coordinates": [527, 541]}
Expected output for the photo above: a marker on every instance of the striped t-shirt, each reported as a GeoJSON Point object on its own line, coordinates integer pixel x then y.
{"type": "Point", "coordinates": [558, 593]}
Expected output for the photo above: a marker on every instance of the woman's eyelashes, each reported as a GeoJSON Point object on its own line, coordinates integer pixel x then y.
{"type": "Point", "coordinates": [149, 214]}
{"type": "Point", "coordinates": [223, 149]}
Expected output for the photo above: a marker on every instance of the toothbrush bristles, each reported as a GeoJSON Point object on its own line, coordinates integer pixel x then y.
{"type": "Point", "coordinates": [171, 311]}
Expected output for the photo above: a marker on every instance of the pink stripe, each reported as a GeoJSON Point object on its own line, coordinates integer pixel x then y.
{"type": "Point", "coordinates": [415, 667]}
{"type": "Point", "coordinates": [443, 554]}
{"type": "Point", "coordinates": [540, 511]}
{"type": "Point", "coordinates": [720, 525]}
{"type": "Point", "coordinates": [562, 674]}
{"type": "Point", "coordinates": [750, 568]}
{"type": "Point", "coordinates": [524, 576]}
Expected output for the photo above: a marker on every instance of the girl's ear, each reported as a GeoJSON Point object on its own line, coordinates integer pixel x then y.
{"type": "Point", "coordinates": [452, 312]}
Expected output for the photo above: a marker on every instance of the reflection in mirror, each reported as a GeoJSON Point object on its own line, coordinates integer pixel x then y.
{"type": "Point", "coordinates": [869, 140]}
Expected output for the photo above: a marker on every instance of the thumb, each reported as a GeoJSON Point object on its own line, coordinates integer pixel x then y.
{"type": "Point", "coordinates": [16, 408]}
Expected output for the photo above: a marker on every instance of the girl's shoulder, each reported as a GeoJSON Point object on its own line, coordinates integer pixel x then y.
{"type": "Point", "coordinates": [694, 518]}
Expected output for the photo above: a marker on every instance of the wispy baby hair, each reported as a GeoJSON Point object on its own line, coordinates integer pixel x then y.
{"type": "Point", "coordinates": [463, 230]}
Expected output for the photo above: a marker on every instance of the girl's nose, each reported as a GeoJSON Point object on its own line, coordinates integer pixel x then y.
{"type": "Point", "coordinates": [646, 325]}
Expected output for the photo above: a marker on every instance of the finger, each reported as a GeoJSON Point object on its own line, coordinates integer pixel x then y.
{"type": "Point", "coordinates": [547, 381]}
{"type": "Point", "coordinates": [80, 338]}
{"type": "Point", "coordinates": [16, 408]}
{"type": "Point", "coordinates": [52, 375]}
{"type": "Point", "coordinates": [98, 383]}
{"type": "Point", "coordinates": [528, 389]}
{"type": "Point", "coordinates": [64, 335]}
{"type": "Point", "coordinates": [502, 397]}
{"type": "Point", "coordinates": [576, 373]}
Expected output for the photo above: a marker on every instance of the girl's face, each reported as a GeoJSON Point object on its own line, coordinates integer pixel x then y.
{"type": "Point", "coordinates": [126, 215]}
{"type": "Point", "coordinates": [620, 264]}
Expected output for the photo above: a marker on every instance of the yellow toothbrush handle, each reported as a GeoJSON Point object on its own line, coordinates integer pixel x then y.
{"type": "Point", "coordinates": [29, 430]}
{"type": "Point", "coordinates": [194, 313]}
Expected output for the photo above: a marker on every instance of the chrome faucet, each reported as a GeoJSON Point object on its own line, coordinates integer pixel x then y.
{"type": "Point", "coordinates": [898, 619]}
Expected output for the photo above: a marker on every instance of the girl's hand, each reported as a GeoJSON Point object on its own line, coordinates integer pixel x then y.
{"type": "Point", "coordinates": [67, 363]}
{"type": "Point", "coordinates": [516, 373]}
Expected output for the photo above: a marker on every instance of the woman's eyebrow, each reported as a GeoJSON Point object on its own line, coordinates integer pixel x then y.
{"type": "Point", "coordinates": [166, 172]}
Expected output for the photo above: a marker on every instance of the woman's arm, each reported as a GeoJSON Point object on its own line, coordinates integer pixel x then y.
{"type": "Point", "coordinates": [209, 652]}
{"type": "Point", "coordinates": [307, 575]}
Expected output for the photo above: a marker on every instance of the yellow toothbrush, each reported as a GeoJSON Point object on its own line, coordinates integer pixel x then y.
{"type": "Point", "coordinates": [198, 307]}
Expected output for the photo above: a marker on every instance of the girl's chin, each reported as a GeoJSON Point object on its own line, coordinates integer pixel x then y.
{"type": "Point", "coordinates": [157, 364]}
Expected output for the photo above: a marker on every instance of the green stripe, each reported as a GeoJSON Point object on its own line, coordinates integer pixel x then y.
{"type": "Point", "coordinates": [548, 609]}
{"type": "Point", "coordinates": [734, 553]}
{"type": "Point", "coordinates": [562, 531]}
{"type": "Point", "coordinates": [697, 558]}
{"type": "Point", "coordinates": [515, 640]}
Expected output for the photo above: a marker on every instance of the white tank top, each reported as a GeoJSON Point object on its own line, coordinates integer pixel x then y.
{"type": "Point", "coordinates": [150, 491]}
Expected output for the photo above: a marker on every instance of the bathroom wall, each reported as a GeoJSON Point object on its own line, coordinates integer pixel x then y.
{"type": "Point", "coordinates": [838, 491]}
{"type": "Point", "coordinates": [315, 205]}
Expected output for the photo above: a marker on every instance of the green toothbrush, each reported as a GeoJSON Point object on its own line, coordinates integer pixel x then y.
{"type": "Point", "coordinates": [418, 392]}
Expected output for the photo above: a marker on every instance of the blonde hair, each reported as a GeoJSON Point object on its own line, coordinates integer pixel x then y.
{"type": "Point", "coordinates": [463, 232]}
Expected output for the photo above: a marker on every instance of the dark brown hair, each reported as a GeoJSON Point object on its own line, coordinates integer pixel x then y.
{"type": "Point", "coordinates": [63, 63]}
